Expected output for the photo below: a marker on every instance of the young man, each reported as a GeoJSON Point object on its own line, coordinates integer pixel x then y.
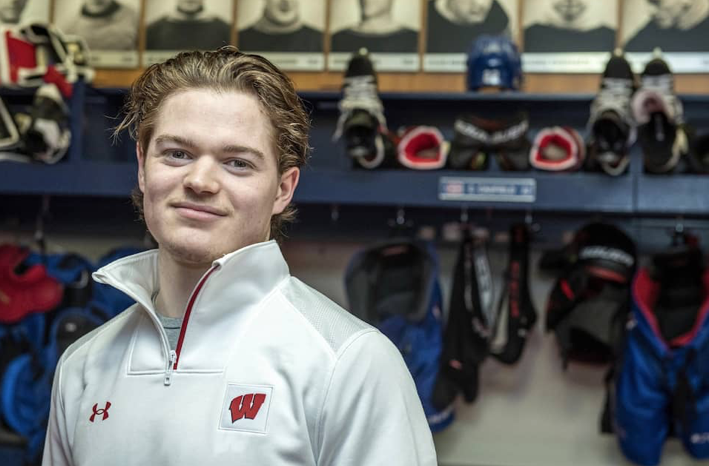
{"type": "Point", "coordinates": [189, 26]}
{"type": "Point", "coordinates": [377, 31]}
{"type": "Point", "coordinates": [453, 25]}
{"type": "Point", "coordinates": [281, 29]}
{"type": "Point", "coordinates": [104, 25]}
{"type": "Point", "coordinates": [569, 26]}
{"type": "Point", "coordinates": [674, 26]}
{"type": "Point", "coordinates": [262, 369]}
{"type": "Point", "coordinates": [11, 11]}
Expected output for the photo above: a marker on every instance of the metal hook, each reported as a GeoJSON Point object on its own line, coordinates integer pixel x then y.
{"type": "Point", "coordinates": [43, 215]}
{"type": "Point", "coordinates": [679, 225]}
{"type": "Point", "coordinates": [678, 235]}
{"type": "Point", "coordinates": [529, 221]}
{"type": "Point", "coordinates": [400, 216]}
{"type": "Point", "coordinates": [464, 214]}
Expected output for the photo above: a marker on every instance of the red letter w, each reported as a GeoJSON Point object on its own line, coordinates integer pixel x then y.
{"type": "Point", "coordinates": [242, 406]}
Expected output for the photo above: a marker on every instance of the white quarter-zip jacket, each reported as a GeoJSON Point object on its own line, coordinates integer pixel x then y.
{"type": "Point", "coordinates": [267, 372]}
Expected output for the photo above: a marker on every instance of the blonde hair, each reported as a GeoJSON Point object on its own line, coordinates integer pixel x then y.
{"type": "Point", "coordinates": [224, 69]}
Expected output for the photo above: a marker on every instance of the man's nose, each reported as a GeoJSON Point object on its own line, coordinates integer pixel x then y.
{"type": "Point", "coordinates": [202, 177]}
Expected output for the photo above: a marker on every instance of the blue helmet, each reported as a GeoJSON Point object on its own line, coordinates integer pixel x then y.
{"type": "Point", "coordinates": [494, 61]}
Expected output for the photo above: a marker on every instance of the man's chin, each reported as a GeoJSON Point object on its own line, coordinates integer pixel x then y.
{"type": "Point", "coordinates": [191, 255]}
{"type": "Point", "coordinates": [284, 20]}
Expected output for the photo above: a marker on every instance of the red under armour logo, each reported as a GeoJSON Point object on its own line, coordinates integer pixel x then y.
{"type": "Point", "coordinates": [101, 412]}
{"type": "Point", "coordinates": [246, 406]}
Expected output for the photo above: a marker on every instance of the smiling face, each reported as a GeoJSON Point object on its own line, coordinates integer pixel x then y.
{"type": "Point", "coordinates": [209, 175]}
{"type": "Point", "coordinates": [190, 6]}
{"type": "Point", "coordinates": [282, 11]}
{"type": "Point", "coordinates": [469, 11]}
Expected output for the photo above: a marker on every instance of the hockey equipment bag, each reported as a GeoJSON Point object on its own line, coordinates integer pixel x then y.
{"type": "Point", "coordinates": [394, 286]}
{"type": "Point", "coordinates": [24, 290]}
{"type": "Point", "coordinates": [589, 301]}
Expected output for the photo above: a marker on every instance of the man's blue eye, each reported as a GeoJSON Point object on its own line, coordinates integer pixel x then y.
{"type": "Point", "coordinates": [238, 164]}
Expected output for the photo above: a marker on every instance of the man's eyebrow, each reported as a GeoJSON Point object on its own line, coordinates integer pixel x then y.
{"type": "Point", "coordinates": [239, 149]}
{"type": "Point", "coordinates": [229, 149]}
{"type": "Point", "coordinates": [179, 140]}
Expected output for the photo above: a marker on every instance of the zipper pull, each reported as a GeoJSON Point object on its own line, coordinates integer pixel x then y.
{"type": "Point", "coordinates": [168, 373]}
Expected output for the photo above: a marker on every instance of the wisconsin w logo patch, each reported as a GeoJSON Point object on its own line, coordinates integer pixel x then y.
{"type": "Point", "coordinates": [246, 407]}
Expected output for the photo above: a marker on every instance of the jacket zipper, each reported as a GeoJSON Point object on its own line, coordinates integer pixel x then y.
{"type": "Point", "coordinates": [175, 355]}
{"type": "Point", "coordinates": [170, 365]}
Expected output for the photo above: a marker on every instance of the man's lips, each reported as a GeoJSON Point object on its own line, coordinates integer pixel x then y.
{"type": "Point", "coordinates": [198, 211]}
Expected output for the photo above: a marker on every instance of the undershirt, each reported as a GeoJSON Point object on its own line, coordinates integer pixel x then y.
{"type": "Point", "coordinates": [172, 326]}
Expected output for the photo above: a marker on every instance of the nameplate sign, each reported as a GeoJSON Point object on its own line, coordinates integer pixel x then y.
{"type": "Point", "coordinates": [454, 188]}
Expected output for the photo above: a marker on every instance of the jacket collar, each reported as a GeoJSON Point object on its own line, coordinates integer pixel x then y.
{"type": "Point", "coordinates": [227, 300]}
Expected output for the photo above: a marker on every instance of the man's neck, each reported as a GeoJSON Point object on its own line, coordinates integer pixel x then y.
{"type": "Point", "coordinates": [269, 25]}
{"type": "Point", "coordinates": [381, 24]}
{"type": "Point", "coordinates": [177, 281]}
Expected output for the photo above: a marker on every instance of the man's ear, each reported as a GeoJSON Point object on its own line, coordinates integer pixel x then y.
{"type": "Point", "coordinates": [141, 167]}
{"type": "Point", "coordinates": [286, 188]}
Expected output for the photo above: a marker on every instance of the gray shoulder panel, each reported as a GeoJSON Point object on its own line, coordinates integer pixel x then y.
{"type": "Point", "coordinates": [332, 322]}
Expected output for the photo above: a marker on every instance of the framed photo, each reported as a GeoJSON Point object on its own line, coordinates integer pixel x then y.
{"type": "Point", "coordinates": [289, 33]}
{"type": "Point", "coordinates": [680, 29]}
{"type": "Point", "coordinates": [568, 36]}
{"type": "Point", "coordinates": [23, 11]}
{"type": "Point", "coordinates": [453, 26]}
{"type": "Point", "coordinates": [172, 26]}
{"type": "Point", "coordinates": [110, 29]}
{"type": "Point", "coordinates": [388, 29]}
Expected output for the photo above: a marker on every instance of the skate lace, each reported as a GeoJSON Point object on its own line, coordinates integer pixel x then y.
{"type": "Point", "coordinates": [359, 93]}
{"type": "Point", "coordinates": [664, 86]}
{"type": "Point", "coordinates": [615, 96]}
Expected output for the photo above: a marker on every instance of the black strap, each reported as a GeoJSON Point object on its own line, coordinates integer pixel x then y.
{"type": "Point", "coordinates": [520, 313]}
{"type": "Point", "coordinates": [606, 421]}
{"type": "Point", "coordinates": [465, 338]}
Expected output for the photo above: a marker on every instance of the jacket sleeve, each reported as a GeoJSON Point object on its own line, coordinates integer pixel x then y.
{"type": "Point", "coordinates": [56, 445]}
{"type": "Point", "coordinates": [372, 414]}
